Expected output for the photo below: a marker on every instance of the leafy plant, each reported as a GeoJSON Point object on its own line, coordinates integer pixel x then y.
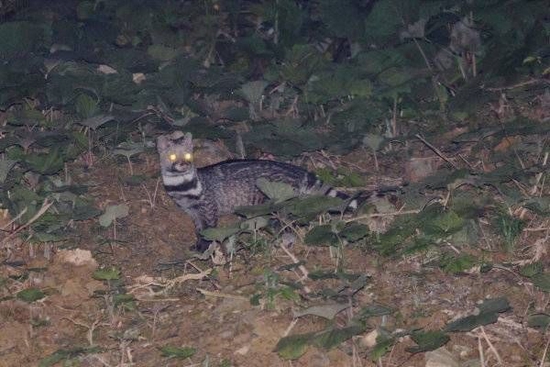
{"type": "Point", "coordinates": [271, 290]}
{"type": "Point", "coordinates": [509, 228]}
{"type": "Point", "coordinates": [177, 352]}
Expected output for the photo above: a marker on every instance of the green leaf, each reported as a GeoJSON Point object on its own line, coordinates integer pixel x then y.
{"type": "Point", "coordinates": [86, 106]}
{"type": "Point", "coordinates": [106, 274]}
{"type": "Point", "coordinates": [276, 191]}
{"type": "Point", "coordinates": [85, 10]}
{"type": "Point", "coordinates": [489, 310]}
{"type": "Point", "coordinates": [66, 355]}
{"type": "Point", "coordinates": [5, 167]}
{"type": "Point", "coordinates": [542, 281]}
{"type": "Point", "coordinates": [95, 121]}
{"type": "Point", "coordinates": [539, 321]}
{"type": "Point", "coordinates": [344, 177]}
{"type": "Point", "coordinates": [220, 234]}
{"type": "Point", "coordinates": [321, 274]}
{"type": "Point", "coordinates": [135, 180]}
{"type": "Point", "coordinates": [255, 299]}
{"type": "Point", "coordinates": [177, 352]}
{"type": "Point", "coordinates": [343, 18]}
{"type": "Point", "coordinates": [443, 223]}
{"type": "Point", "coordinates": [46, 163]}
{"type": "Point", "coordinates": [321, 236]}
{"type": "Point", "coordinates": [253, 224]}
{"type": "Point", "coordinates": [509, 227]}
{"type": "Point", "coordinates": [113, 212]}
{"type": "Point", "coordinates": [84, 212]}
{"type": "Point", "coordinates": [255, 210]}
{"type": "Point", "coordinates": [383, 21]}
{"type": "Point", "coordinates": [498, 305]}
{"type": "Point", "coordinates": [384, 343]}
{"type": "Point", "coordinates": [20, 38]}
{"type": "Point", "coordinates": [530, 270]}
{"type": "Point", "coordinates": [327, 311]}
{"type": "Point", "coordinates": [333, 337]}
{"type": "Point", "coordinates": [254, 90]}
{"type": "Point", "coordinates": [124, 299]}
{"type": "Point", "coordinates": [373, 141]}
{"type": "Point", "coordinates": [162, 53]}
{"type": "Point", "coordinates": [372, 311]}
{"type": "Point", "coordinates": [49, 237]}
{"type": "Point", "coordinates": [359, 283]}
{"type": "Point", "coordinates": [469, 323]}
{"type": "Point", "coordinates": [294, 346]}
{"type": "Point", "coordinates": [7, 141]}
{"type": "Point", "coordinates": [129, 149]}
{"type": "Point", "coordinates": [355, 232]}
{"type": "Point", "coordinates": [428, 340]}
{"type": "Point", "coordinates": [30, 295]}
{"type": "Point", "coordinates": [457, 264]}
{"type": "Point", "coordinates": [540, 205]}
{"type": "Point", "coordinates": [312, 205]}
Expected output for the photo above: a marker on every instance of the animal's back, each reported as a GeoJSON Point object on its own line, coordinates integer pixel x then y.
{"type": "Point", "coordinates": [231, 184]}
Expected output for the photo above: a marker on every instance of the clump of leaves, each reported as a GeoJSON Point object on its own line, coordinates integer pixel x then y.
{"type": "Point", "coordinates": [107, 274]}
{"type": "Point", "coordinates": [510, 228]}
{"type": "Point", "coordinates": [170, 351]}
{"type": "Point", "coordinates": [271, 289]}
{"type": "Point", "coordinates": [456, 264]}
{"type": "Point", "coordinates": [343, 177]}
{"type": "Point", "coordinates": [69, 356]}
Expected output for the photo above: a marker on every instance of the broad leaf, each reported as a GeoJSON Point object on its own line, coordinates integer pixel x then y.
{"type": "Point", "coordinates": [177, 352]}
{"type": "Point", "coordinates": [321, 236]}
{"type": "Point", "coordinates": [539, 321]}
{"type": "Point", "coordinates": [5, 167]}
{"type": "Point", "coordinates": [294, 346]}
{"type": "Point", "coordinates": [328, 311]}
{"type": "Point", "coordinates": [95, 121]}
{"type": "Point", "coordinates": [129, 149]}
{"type": "Point", "coordinates": [333, 337]}
{"type": "Point", "coordinates": [428, 340]}
{"type": "Point", "coordinates": [30, 295]}
{"type": "Point", "coordinates": [311, 205]}
{"type": "Point", "coordinates": [489, 310]}
{"type": "Point", "coordinates": [219, 234]}
{"type": "Point", "coordinates": [276, 191]}
{"type": "Point", "coordinates": [46, 164]}
{"type": "Point", "coordinates": [113, 212]}
{"type": "Point", "coordinates": [355, 232]}
{"type": "Point", "coordinates": [106, 274]}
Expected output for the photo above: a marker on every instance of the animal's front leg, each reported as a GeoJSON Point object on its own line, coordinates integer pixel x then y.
{"type": "Point", "coordinates": [206, 219]}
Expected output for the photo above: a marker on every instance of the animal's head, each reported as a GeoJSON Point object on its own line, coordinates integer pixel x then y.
{"type": "Point", "coordinates": [176, 152]}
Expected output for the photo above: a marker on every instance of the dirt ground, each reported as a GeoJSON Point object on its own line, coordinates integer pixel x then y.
{"type": "Point", "coordinates": [181, 301]}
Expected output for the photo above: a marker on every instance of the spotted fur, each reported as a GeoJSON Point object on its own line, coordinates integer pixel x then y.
{"type": "Point", "coordinates": [207, 193]}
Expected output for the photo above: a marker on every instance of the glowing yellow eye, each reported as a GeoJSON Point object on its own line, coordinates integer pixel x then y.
{"type": "Point", "coordinates": [172, 157]}
{"type": "Point", "coordinates": [188, 157]}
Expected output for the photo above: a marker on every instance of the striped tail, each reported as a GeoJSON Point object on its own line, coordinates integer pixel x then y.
{"type": "Point", "coordinates": [312, 185]}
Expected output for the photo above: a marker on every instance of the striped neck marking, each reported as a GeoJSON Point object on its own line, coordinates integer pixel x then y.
{"type": "Point", "coordinates": [171, 179]}
{"type": "Point", "coordinates": [192, 188]}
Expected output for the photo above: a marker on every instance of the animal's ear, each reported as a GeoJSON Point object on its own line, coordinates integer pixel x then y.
{"type": "Point", "coordinates": [188, 137]}
{"type": "Point", "coordinates": [176, 135]}
{"type": "Point", "coordinates": [188, 141]}
{"type": "Point", "coordinates": [162, 142]}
